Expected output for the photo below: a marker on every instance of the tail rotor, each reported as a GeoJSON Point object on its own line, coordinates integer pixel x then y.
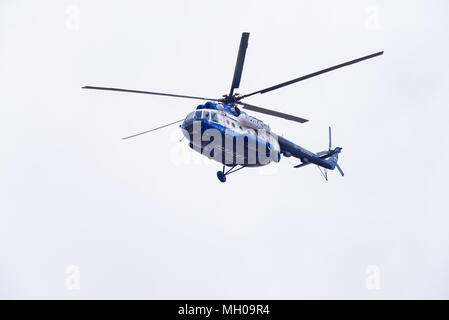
{"type": "Point", "coordinates": [331, 155]}
{"type": "Point", "coordinates": [337, 150]}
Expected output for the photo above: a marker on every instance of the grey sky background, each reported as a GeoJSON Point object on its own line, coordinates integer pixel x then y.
{"type": "Point", "coordinates": [147, 218]}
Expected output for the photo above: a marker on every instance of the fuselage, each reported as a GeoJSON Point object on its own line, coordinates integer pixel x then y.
{"type": "Point", "coordinates": [240, 138]}
{"type": "Point", "coordinates": [230, 136]}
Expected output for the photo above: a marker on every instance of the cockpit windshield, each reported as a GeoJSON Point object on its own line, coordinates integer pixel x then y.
{"type": "Point", "coordinates": [208, 115]}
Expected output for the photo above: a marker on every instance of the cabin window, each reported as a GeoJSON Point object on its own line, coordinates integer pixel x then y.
{"type": "Point", "coordinates": [233, 124]}
{"type": "Point", "coordinates": [206, 115]}
{"type": "Point", "coordinates": [198, 115]}
{"type": "Point", "coordinates": [227, 122]}
{"type": "Point", "coordinates": [214, 117]}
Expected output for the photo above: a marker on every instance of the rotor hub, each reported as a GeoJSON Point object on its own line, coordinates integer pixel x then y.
{"type": "Point", "coordinates": [231, 100]}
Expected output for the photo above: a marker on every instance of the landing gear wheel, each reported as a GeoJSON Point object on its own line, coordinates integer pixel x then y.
{"type": "Point", "coordinates": [221, 176]}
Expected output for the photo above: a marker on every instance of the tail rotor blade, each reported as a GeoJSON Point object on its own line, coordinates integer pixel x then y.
{"type": "Point", "coordinates": [330, 139]}
{"type": "Point", "coordinates": [341, 171]}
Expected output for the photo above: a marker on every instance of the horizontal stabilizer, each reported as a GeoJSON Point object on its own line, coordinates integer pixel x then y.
{"type": "Point", "coordinates": [322, 153]}
{"type": "Point", "coordinates": [301, 164]}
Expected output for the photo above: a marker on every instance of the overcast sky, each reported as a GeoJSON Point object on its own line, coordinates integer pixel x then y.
{"type": "Point", "coordinates": [84, 214]}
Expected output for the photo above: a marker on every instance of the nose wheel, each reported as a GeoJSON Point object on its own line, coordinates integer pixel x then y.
{"type": "Point", "coordinates": [221, 175]}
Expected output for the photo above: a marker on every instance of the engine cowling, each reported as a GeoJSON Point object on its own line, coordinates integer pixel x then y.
{"type": "Point", "coordinates": [252, 122]}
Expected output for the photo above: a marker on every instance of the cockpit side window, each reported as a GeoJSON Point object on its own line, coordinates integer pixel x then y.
{"type": "Point", "coordinates": [206, 115]}
{"type": "Point", "coordinates": [214, 117]}
{"type": "Point", "coordinates": [198, 115]}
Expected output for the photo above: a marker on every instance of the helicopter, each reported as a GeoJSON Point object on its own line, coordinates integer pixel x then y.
{"type": "Point", "coordinates": [219, 129]}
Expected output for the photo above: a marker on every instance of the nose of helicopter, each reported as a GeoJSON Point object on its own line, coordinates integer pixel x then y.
{"type": "Point", "coordinates": [187, 126]}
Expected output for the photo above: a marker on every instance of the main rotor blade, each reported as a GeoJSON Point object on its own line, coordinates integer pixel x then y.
{"type": "Point", "coordinates": [138, 134]}
{"type": "Point", "coordinates": [312, 75]}
{"type": "Point", "coordinates": [239, 63]}
{"type": "Point", "coordinates": [149, 92]}
{"type": "Point", "coordinates": [272, 112]}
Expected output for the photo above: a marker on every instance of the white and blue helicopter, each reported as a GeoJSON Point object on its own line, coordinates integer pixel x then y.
{"type": "Point", "coordinates": [220, 130]}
